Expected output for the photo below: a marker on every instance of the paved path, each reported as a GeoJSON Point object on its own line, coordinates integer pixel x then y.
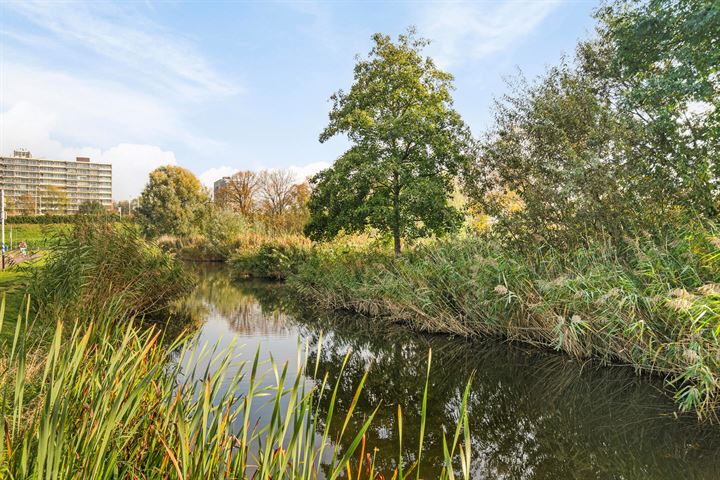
{"type": "Point", "coordinates": [14, 258]}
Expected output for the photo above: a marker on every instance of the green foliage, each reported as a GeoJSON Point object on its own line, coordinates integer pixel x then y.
{"type": "Point", "coordinates": [651, 302]}
{"type": "Point", "coordinates": [408, 144]}
{"type": "Point", "coordinates": [223, 228]}
{"type": "Point", "coordinates": [274, 260]}
{"type": "Point", "coordinates": [660, 59]}
{"type": "Point", "coordinates": [92, 207]}
{"type": "Point", "coordinates": [620, 141]}
{"type": "Point", "coordinates": [101, 266]}
{"type": "Point", "coordinates": [173, 202]}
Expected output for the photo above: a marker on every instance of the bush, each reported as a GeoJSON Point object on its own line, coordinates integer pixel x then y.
{"type": "Point", "coordinates": [272, 260]}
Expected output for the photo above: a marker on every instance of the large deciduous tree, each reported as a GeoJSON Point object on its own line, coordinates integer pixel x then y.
{"type": "Point", "coordinates": [173, 202]}
{"type": "Point", "coordinates": [240, 192]}
{"type": "Point", "coordinates": [408, 143]}
{"type": "Point", "coordinates": [276, 189]}
{"type": "Point", "coordinates": [661, 59]}
{"type": "Point", "coordinates": [618, 141]}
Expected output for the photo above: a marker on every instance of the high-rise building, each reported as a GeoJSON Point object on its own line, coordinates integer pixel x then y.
{"type": "Point", "coordinates": [219, 186]}
{"type": "Point", "coordinates": [38, 186]}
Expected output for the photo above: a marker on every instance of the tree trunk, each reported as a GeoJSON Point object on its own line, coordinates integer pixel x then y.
{"type": "Point", "coordinates": [396, 213]}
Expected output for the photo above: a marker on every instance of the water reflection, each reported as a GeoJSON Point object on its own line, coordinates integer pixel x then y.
{"type": "Point", "coordinates": [533, 414]}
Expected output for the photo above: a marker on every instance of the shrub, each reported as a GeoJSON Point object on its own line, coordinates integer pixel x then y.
{"type": "Point", "coordinates": [273, 260]}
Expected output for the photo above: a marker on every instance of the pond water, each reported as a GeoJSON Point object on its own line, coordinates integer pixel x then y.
{"type": "Point", "coordinates": [533, 414]}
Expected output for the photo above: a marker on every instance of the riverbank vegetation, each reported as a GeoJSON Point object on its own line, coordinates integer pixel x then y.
{"type": "Point", "coordinates": [114, 403]}
{"type": "Point", "coordinates": [584, 218]}
{"type": "Point", "coordinates": [590, 205]}
{"type": "Point", "coordinates": [99, 266]}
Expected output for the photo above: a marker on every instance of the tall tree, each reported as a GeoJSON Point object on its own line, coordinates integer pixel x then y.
{"type": "Point", "coordinates": [26, 204]}
{"type": "Point", "coordinates": [55, 200]}
{"type": "Point", "coordinates": [621, 139]}
{"type": "Point", "coordinates": [276, 188]}
{"type": "Point", "coordinates": [173, 202]}
{"type": "Point", "coordinates": [91, 207]}
{"type": "Point", "coordinates": [240, 192]}
{"type": "Point", "coordinates": [408, 145]}
{"type": "Point", "coordinates": [660, 58]}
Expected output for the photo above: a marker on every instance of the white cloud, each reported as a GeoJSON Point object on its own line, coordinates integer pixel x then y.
{"type": "Point", "coordinates": [26, 125]}
{"type": "Point", "coordinates": [461, 31]}
{"type": "Point", "coordinates": [301, 173]}
{"type": "Point", "coordinates": [131, 41]}
{"type": "Point", "coordinates": [208, 177]}
{"type": "Point", "coordinates": [85, 111]}
{"type": "Point", "coordinates": [131, 166]}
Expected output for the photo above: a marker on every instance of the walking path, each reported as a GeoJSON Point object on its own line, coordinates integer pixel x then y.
{"type": "Point", "coordinates": [15, 258]}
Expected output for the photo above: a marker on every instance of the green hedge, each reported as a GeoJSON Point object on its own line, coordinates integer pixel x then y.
{"type": "Point", "coordinates": [48, 219]}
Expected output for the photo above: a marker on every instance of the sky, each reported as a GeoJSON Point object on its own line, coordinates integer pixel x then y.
{"type": "Point", "coordinates": [223, 86]}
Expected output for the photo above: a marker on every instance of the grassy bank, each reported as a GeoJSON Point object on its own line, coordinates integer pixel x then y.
{"type": "Point", "coordinates": [649, 302]}
{"type": "Point", "coordinates": [103, 266]}
{"type": "Point", "coordinates": [105, 398]}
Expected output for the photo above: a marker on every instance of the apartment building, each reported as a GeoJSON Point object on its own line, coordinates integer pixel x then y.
{"type": "Point", "coordinates": [219, 186]}
{"type": "Point", "coordinates": [39, 186]}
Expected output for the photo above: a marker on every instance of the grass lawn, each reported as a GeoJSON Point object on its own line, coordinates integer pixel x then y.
{"type": "Point", "coordinates": [12, 283]}
{"type": "Point", "coordinates": [36, 236]}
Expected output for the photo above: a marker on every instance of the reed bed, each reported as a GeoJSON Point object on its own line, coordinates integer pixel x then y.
{"type": "Point", "coordinates": [98, 265]}
{"type": "Point", "coordinates": [115, 403]}
{"type": "Point", "coordinates": [652, 302]}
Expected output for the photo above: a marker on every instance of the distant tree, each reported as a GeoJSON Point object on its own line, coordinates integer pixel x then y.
{"type": "Point", "coordinates": [276, 189]}
{"type": "Point", "coordinates": [240, 192]}
{"type": "Point", "coordinates": [408, 146]}
{"type": "Point", "coordinates": [55, 200]}
{"type": "Point", "coordinates": [91, 207]}
{"type": "Point", "coordinates": [173, 202]}
{"type": "Point", "coordinates": [26, 204]}
{"type": "Point", "coordinates": [10, 205]}
{"type": "Point", "coordinates": [124, 206]}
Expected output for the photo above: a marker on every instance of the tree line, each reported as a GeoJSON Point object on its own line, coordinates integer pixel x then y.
{"type": "Point", "coordinates": [174, 201]}
{"type": "Point", "coordinates": [620, 138]}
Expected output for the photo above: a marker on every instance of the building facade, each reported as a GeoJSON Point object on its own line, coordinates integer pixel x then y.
{"type": "Point", "coordinates": [218, 188]}
{"type": "Point", "coordinates": [35, 186]}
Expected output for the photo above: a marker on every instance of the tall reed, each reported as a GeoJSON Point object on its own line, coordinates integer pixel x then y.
{"type": "Point", "coordinates": [114, 403]}
{"type": "Point", "coordinates": [98, 265]}
{"type": "Point", "coordinates": [649, 302]}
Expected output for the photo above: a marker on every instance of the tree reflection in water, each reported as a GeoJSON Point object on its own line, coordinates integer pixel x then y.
{"type": "Point", "coordinates": [534, 414]}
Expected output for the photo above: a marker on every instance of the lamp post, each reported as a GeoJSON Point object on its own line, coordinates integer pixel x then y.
{"type": "Point", "coordinates": [2, 216]}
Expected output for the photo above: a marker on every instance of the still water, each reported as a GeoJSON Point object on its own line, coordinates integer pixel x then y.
{"type": "Point", "coordinates": [533, 414]}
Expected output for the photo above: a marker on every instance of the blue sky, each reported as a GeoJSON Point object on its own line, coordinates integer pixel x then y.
{"type": "Point", "coordinates": [221, 86]}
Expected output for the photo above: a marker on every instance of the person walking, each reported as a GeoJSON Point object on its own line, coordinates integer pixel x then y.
{"type": "Point", "coordinates": [23, 248]}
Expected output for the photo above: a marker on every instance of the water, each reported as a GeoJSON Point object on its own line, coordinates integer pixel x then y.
{"type": "Point", "coordinates": [534, 414]}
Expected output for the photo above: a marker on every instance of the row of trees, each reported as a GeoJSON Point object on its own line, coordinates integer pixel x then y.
{"type": "Point", "coordinates": [51, 199]}
{"type": "Point", "coordinates": [615, 140]}
{"type": "Point", "coordinates": [174, 201]}
{"type": "Point", "coordinates": [265, 193]}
